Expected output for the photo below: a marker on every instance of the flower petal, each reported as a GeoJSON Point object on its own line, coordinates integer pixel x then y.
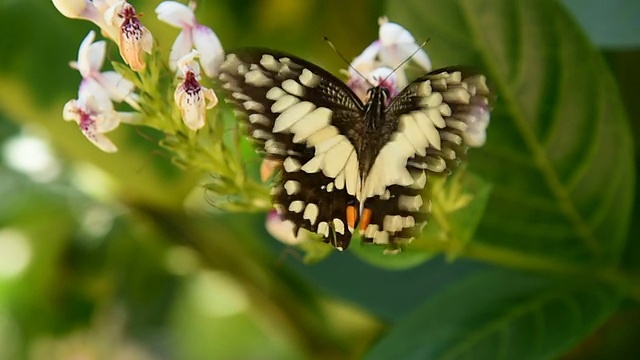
{"type": "Point", "coordinates": [175, 14]}
{"type": "Point", "coordinates": [392, 33]}
{"type": "Point", "coordinates": [116, 86]}
{"type": "Point", "coordinates": [283, 231]}
{"type": "Point", "coordinates": [210, 96]}
{"type": "Point", "coordinates": [73, 9]}
{"type": "Point", "coordinates": [92, 95]}
{"type": "Point", "coordinates": [102, 142]}
{"type": "Point", "coordinates": [210, 49]}
{"type": "Point", "coordinates": [181, 47]}
{"type": "Point", "coordinates": [133, 118]}
{"type": "Point", "coordinates": [192, 107]}
{"type": "Point", "coordinates": [71, 111]}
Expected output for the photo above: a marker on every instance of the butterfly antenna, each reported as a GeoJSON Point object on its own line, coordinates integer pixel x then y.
{"type": "Point", "coordinates": [407, 59]}
{"type": "Point", "coordinates": [346, 61]}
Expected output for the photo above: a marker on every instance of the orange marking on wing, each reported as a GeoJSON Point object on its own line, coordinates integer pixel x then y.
{"type": "Point", "coordinates": [351, 216]}
{"type": "Point", "coordinates": [365, 219]}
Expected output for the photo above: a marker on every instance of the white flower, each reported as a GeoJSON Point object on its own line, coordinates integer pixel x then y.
{"type": "Point", "coordinates": [394, 46]}
{"type": "Point", "coordinates": [133, 38]}
{"type": "Point", "coordinates": [90, 59]}
{"type": "Point", "coordinates": [192, 98]}
{"type": "Point", "coordinates": [283, 230]}
{"type": "Point", "coordinates": [192, 35]}
{"type": "Point", "coordinates": [88, 10]}
{"type": "Point", "coordinates": [94, 114]}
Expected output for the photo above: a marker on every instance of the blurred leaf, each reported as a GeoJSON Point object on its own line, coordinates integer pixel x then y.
{"type": "Point", "coordinates": [609, 24]}
{"type": "Point", "coordinates": [501, 314]}
{"type": "Point", "coordinates": [616, 339]}
{"type": "Point", "coordinates": [559, 149]}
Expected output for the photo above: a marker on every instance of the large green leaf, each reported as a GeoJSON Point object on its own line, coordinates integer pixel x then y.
{"type": "Point", "coordinates": [497, 314]}
{"type": "Point", "coordinates": [559, 151]}
{"type": "Point", "coordinates": [610, 24]}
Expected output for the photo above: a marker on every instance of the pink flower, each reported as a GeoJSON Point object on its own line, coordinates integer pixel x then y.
{"type": "Point", "coordinates": [90, 60]}
{"type": "Point", "coordinates": [283, 230]}
{"type": "Point", "coordinates": [94, 114]}
{"type": "Point", "coordinates": [193, 35]}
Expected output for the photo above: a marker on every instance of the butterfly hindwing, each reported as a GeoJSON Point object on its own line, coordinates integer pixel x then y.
{"type": "Point", "coordinates": [427, 121]}
{"type": "Point", "coordinates": [302, 116]}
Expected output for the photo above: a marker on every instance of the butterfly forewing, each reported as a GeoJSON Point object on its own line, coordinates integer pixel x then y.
{"type": "Point", "coordinates": [304, 117]}
{"type": "Point", "coordinates": [343, 161]}
{"type": "Point", "coordinates": [427, 121]}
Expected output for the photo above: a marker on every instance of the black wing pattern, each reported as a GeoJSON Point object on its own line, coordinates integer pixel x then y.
{"type": "Point", "coordinates": [302, 116]}
{"type": "Point", "coordinates": [428, 119]}
{"type": "Point", "coordinates": [341, 164]}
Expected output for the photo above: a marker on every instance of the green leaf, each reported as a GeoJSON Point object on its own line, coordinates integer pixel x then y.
{"type": "Point", "coordinates": [610, 24]}
{"type": "Point", "coordinates": [497, 314]}
{"type": "Point", "coordinates": [559, 151]}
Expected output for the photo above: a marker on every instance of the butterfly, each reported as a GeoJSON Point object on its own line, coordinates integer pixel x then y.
{"type": "Point", "coordinates": [348, 164]}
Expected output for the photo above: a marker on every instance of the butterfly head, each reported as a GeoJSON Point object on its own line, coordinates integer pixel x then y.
{"type": "Point", "coordinates": [378, 98]}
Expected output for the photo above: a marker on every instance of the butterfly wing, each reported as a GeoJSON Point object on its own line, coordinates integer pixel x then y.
{"type": "Point", "coordinates": [428, 120]}
{"type": "Point", "coordinates": [306, 118]}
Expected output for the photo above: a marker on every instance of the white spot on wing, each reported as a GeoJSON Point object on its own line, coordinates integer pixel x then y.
{"type": "Point", "coordinates": [275, 93]}
{"type": "Point", "coordinates": [292, 187]}
{"type": "Point", "coordinates": [381, 237]}
{"type": "Point", "coordinates": [296, 206]}
{"type": "Point", "coordinates": [323, 229]}
{"type": "Point", "coordinates": [457, 95]}
{"type": "Point", "coordinates": [253, 106]}
{"type": "Point", "coordinates": [309, 79]}
{"type": "Point", "coordinates": [338, 226]}
{"type": "Point", "coordinates": [427, 128]}
{"type": "Point", "coordinates": [336, 158]}
{"type": "Point", "coordinates": [291, 115]}
{"type": "Point", "coordinates": [257, 78]}
{"type": "Point", "coordinates": [269, 62]}
{"type": "Point", "coordinates": [259, 119]}
{"type": "Point", "coordinates": [432, 100]}
{"type": "Point", "coordinates": [313, 165]}
{"type": "Point", "coordinates": [351, 174]}
{"type": "Point", "coordinates": [292, 87]}
{"type": "Point", "coordinates": [413, 135]}
{"type": "Point", "coordinates": [410, 203]}
{"type": "Point", "coordinates": [311, 213]}
{"type": "Point", "coordinates": [291, 165]}
{"type": "Point", "coordinates": [322, 135]}
{"type": "Point", "coordinates": [392, 223]}
{"type": "Point", "coordinates": [284, 103]}
{"type": "Point", "coordinates": [309, 124]}
{"type": "Point", "coordinates": [389, 168]}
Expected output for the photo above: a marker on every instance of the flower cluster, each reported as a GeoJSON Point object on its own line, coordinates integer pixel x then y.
{"type": "Point", "coordinates": [94, 110]}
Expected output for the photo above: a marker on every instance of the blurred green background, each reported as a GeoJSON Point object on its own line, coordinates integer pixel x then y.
{"type": "Point", "coordinates": [100, 259]}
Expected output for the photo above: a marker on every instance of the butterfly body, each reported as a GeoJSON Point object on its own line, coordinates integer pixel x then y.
{"type": "Point", "coordinates": [348, 164]}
